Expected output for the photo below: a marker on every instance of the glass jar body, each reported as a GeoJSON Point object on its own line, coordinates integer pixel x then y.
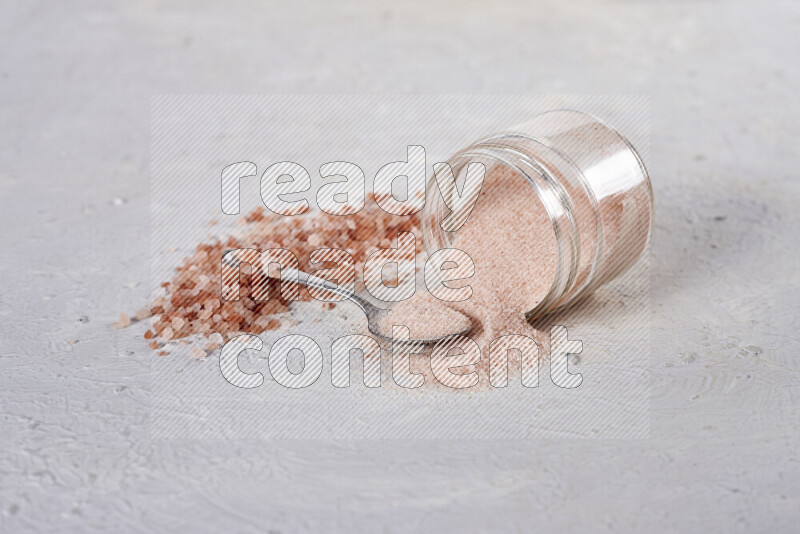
{"type": "Point", "coordinates": [592, 184]}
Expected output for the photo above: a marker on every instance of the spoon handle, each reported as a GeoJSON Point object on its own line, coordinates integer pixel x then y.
{"type": "Point", "coordinates": [309, 280]}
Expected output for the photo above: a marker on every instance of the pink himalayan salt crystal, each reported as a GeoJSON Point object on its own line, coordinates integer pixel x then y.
{"type": "Point", "coordinates": [197, 352]}
{"type": "Point", "coordinates": [143, 314]}
{"type": "Point", "coordinates": [123, 322]}
{"type": "Point", "coordinates": [315, 240]}
{"type": "Point", "coordinates": [216, 338]}
{"type": "Point", "coordinates": [426, 318]}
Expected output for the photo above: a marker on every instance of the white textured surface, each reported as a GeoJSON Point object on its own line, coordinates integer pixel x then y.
{"type": "Point", "coordinates": [75, 87]}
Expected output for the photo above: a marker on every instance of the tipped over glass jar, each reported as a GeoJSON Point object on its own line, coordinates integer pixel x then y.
{"type": "Point", "coordinates": [565, 207]}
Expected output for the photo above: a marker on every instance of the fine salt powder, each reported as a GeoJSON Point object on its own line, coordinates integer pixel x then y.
{"type": "Point", "coordinates": [510, 239]}
{"type": "Point", "coordinates": [426, 317]}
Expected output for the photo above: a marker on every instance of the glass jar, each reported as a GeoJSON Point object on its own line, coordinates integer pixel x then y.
{"type": "Point", "coordinates": [592, 184]}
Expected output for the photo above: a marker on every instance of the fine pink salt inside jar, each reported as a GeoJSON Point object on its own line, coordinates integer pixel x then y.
{"type": "Point", "coordinates": [576, 190]}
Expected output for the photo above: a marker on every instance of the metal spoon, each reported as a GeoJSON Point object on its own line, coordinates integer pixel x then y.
{"type": "Point", "coordinates": [374, 314]}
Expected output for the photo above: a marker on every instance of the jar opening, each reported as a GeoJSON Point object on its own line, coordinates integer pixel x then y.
{"type": "Point", "coordinates": [530, 225]}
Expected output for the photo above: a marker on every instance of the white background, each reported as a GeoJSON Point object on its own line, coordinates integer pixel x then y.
{"type": "Point", "coordinates": [75, 86]}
